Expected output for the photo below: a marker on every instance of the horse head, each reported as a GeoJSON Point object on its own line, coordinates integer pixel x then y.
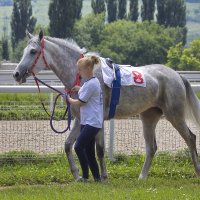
{"type": "Point", "coordinates": [32, 61]}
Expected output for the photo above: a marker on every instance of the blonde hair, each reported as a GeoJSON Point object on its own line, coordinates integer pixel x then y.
{"type": "Point", "coordinates": [88, 61]}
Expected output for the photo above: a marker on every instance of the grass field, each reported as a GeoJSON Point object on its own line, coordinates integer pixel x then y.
{"type": "Point", "coordinates": [171, 177]}
{"type": "Point", "coordinates": [193, 31]}
{"type": "Point", "coordinates": [158, 189]}
{"type": "Point", "coordinates": [14, 106]}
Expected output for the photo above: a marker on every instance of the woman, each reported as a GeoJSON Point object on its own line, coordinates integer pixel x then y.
{"type": "Point", "coordinates": [91, 117]}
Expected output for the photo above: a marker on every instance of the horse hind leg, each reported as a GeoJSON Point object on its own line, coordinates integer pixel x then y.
{"type": "Point", "coordinates": [194, 154]}
{"type": "Point", "coordinates": [149, 119]}
{"type": "Point", "coordinates": [180, 125]}
{"type": "Point", "coordinates": [100, 148]}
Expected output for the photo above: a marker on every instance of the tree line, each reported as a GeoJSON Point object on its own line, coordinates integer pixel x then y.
{"type": "Point", "coordinates": [167, 27]}
{"type": "Point", "coordinates": [6, 2]}
{"type": "Point", "coordinates": [193, 1]}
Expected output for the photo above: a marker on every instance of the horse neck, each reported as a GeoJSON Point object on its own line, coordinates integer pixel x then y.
{"type": "Point", "coordinates": [62, 61]}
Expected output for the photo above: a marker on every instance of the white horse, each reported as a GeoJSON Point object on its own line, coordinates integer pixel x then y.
{"type": "Point", "coordinates": [166, 93]}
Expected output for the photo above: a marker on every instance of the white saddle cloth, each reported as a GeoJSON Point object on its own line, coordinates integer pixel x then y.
{"type": "Point", "coordinates": [129, 75]}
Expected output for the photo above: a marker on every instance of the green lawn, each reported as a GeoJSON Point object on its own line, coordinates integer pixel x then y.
{"type": "Point", "coordinates": [5, 12]}
{"type": "Point", "coordinates": [113, 189]}
{"type": "Point", "coordinates": [171, 177]}
{"type": "Point", "coordinates": [193, 31]}
{"type": "Point", "coordinates": [40, 11]}
{"type": "Point", "coordinates": [191, 7]}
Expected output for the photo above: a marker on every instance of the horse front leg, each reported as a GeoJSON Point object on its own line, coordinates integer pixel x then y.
{"type": "Point", "coordinates": [68, 147]}
{"type": "Point", "coordinates": [100, 148]}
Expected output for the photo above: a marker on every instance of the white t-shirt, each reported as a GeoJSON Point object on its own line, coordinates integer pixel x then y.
{"type": "Point", "coordinates": [91, 112]}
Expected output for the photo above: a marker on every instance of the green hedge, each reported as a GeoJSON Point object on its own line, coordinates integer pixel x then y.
{"type": "Point", "coordinates": [22, 109]}
{"type": "Point", "coordinates": [26, 107]}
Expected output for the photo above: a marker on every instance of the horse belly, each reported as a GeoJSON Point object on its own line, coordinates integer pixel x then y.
{"type": "Point", "coordinates": [134, 100]}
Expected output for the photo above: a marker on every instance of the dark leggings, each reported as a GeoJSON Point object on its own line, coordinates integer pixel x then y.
{"type": "Point", "coordinates": [85, 150]}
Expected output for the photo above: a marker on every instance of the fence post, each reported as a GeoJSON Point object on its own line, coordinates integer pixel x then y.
{"type": "Point", "coordinates": [111, 142]}
{"type": "Point", "coordinates": [51, 102]}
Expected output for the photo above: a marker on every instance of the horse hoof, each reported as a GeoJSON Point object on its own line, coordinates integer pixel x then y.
{"type": "Point", "coordinates": [141, 177]}
{"type": "Point", "coordinates": [104, 176]}
{"type": "Point", "coordinates": [198, 173]}
{"type": "Point", "coordinates": [197, 170]}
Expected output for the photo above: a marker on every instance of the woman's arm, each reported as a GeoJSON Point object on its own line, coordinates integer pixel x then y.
{"type": "Point", "coordinates": [75, 102]}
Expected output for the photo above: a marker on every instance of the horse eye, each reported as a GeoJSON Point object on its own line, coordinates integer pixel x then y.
{"type": "Point", "coordinates": [33, 51]}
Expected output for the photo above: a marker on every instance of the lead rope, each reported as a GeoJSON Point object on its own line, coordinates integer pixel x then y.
{"type": "Point", "coordinates": [68, 108]}
{"type": "Point", "coordinates": [52, 117]}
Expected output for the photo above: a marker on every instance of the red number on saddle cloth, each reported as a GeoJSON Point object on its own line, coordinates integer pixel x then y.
{"type": "Point", "coordinates": [137, 76]}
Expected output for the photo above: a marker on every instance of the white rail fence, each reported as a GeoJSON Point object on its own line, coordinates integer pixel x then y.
{"type": "Point", "coordinates": [121, 140]}
{"type": "Point", "coordinates": [6, 77]}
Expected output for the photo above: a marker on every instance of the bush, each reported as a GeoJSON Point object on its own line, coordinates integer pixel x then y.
{"type": "Point", "coordinates": [188, 58]}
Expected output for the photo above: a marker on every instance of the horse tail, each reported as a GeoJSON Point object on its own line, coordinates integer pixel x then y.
{"type": "Point", "coordinates": [193, 103]}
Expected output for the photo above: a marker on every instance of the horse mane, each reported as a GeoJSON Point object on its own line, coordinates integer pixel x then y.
{"type": "Point", "coordinates": [69, 43]}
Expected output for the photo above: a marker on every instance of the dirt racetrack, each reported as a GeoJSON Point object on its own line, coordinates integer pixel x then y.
{"type": "Point", "coordinates": [37, 136]}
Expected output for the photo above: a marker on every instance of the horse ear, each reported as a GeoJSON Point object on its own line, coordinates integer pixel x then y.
{"type": "Point", "coordinates": [84, 50]}
{"type": "Point", "coordinates": [41, 34]}
{"type": "Point", "coordinates": [28, 34]}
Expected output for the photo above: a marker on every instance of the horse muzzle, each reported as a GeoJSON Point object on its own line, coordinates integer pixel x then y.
{"type": "Point", "coordinates": [20, 77]}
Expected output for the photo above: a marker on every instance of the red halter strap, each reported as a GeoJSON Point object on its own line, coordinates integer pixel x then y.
{"type": "Point", "coordinates": [38, 56]}
{"type": "Point", "coordinates": [77, 80]}
{"type": "Point", "coordinates": [78, 76]}
{"type": "Point", "coordinates": [41, 52]}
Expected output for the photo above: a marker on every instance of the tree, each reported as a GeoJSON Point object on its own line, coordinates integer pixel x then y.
{"type": "Point", "coordinates": [137, 43]}
{"type": "Point", "coordinates": [133, 10]}
{"type": "Point", "coordinates": [88, 31]}
{"type": "Point", "coordinates": [21, 21]}
{"type": "Point", "coordinates": [98, 6]}
{"type": "Point", "coordinates": [147, 10]}
{"type": "Point", "coordinates": [17, 54]}
{"type": "Point", "coordinates": [5, 48]}
{"type": "Point", "coordinates": [161, 15]}
{"type": "Point", "coordinates": [111, 10]}
{"type": "Point", "coordinates": [172, 13]}
{"type": "Point", "coordinates": [122, 9]}
{"type": "Point", "coordinates": [78, 7]}
{"type": "Point", "coordinates": [62, 15]}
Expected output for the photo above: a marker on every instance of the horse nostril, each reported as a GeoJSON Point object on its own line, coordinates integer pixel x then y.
{"type": "Point", "coordinates": [16, 75]}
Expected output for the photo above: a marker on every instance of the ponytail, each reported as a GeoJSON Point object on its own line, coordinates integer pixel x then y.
{"type": "Point", "coordinates": [94, 59]}
{"type": "Point", "coordinates": [89, 61]}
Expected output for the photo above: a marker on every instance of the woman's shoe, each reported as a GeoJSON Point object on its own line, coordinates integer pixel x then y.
{"type": "Point", "coordinates": [97, 179]}
{"type": "Point", "coordinates": [81, 179]}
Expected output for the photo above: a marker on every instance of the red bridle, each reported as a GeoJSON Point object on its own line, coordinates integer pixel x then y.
{"type": "Point", "coordinates": [68, 92]}
{"type": "Point", "coordinates": [41, 52]}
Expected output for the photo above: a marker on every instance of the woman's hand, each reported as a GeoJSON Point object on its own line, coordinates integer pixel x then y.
{"type": "Point", "coordinates": [76, 88]}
